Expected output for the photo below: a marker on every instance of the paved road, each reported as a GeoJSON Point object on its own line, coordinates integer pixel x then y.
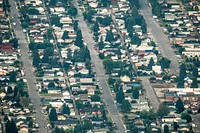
{"type": "Point", "coordinates": [40, 119]}
{"type": "Point", "coordinates": [150, 93]}
{"type": "Point", "coordinates": [196, 120]}
{"type": "Point", "coordinates": [159, 37]}
{"type": "Point", "coordinates": [100, 72]}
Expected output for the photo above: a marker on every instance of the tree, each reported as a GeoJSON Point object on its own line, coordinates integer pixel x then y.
{"type": "Point", "coordinates": [120, 96]}
{"type": "Point", "coordinates": [179, 105]}
{"type": "Point", "coordinates": [182, 73]}
{"type": "Point", "coordinates": [65, 35]}
{"type": "Point", "coordinates": [78, 129]}
{"type": "Point", "coordinates": [9, 90]}
{"type": "Point", "coordinates": [135, 40]}
{"type": "Point", "coordinates": [79, 104]}
{"type": "Point", "coordinates": [36, 58]}
{"type": "Point", "coordinates": [186, 116]}
{"type": "Point", "coordinates": [135, 93]}
{"type": "Point", "coordinates": [166, 129]}
{"type": "Point", "coordinates": [101, 44]}
{"type": "Point", "coordinates": [109, 36]}
{"type": "Point", "coordinates": [111, 81]}
{"type": "Point", "coordinates": [96, 27]}
{"type": "Point", "coordinates": [52, 2]}
{"type": "Point", "coordinates": [126, 106]}
{"type": "Point", "coordinates": [163, 110]}
{"type": "Point", "coordinates": [11, 127]}
{"type": "Point", "coordinates": [156, 10]}
{"type": "Point", "coordinates": [55, 20]}
{"type": "Point", "coordinates": [135, 3]}
{"type": "Point", "coordinates": [151, 63]}
{"type": "Point", "coordinates": [72, 11]}
{"type": "Point", "coordinates": [195, 71]}
{"type": "Point", "coordinates": [51, 84]}
{"type": "Point", "coordinates": [65, 109]}
{"type": "Point", "coordinates": [79, 39]}
{"type": "Point", "coordinates": [58, 130]}
{"type": "Point", "coordinates": [95, 98]}
{"type": "Point", "coordinates": [175, 125]}
{"type": "Point", "coordinates": [53, 115]}
{"type": "Point", "coordinates": [87, 125]}
{"type": "Point", "coordinates": [15, 42]}
{"type": "Point", "coordinates": [194, 83]}
{"type": "Point", "coordinates": [164, 62]}
{"type": "Point", "coordinates": [104, 115]}
{"type": "Point", "coordinates": [13, 76]}
{"type": "Point", "coordinates": [180, 83]}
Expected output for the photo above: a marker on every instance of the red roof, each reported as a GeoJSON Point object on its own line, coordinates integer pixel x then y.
{"type": "Point", "coordinates": [8, 47]}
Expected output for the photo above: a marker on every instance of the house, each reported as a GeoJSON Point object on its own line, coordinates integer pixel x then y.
{"type": "Point", "coordinates": [67, 124]}
{"type": "Point", "coordinates": [54, 90]}
{"type": "Point", "coordinates": [157, 69]}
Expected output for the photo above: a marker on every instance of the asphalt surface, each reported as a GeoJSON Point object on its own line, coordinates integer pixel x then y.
{"type": "Point", "coordinates": [196, 120]}
{"type": "Point", "coordinates": [150, 93]}
{"type": "Point", "coordinates": [100, 72]}
{"type": "Point", "coordinates": [159, 36]}
{"type": "Point", "coordinates": [27, 65]}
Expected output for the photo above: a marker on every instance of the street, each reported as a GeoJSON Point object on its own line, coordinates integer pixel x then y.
{"type": "Point", "coordinates": [150, 93]}
{"type": "Point", "coordinates": [100, 72]}
{"type": "Point", "coordinates": [159, 37]}
{"type": "Point", "coordinates": [27, 65]}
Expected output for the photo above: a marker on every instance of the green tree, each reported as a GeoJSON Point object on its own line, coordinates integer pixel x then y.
{"type": "Point", "coordinates": [182, 73]}
{"type": "Point", "coordinates": [95, 98]}
{"type": "Point", "coordinates": [55, 20]}
{"type": "Point", "coordinates": [156, 10]}
{"type": "Point", "coordinates": [136, 93]}
{"type": "Point", "coordinates": [101, 44]}
{"type": "Point", "coordinates": [9, 90]}
{"type": "Point", "coordinates": [11, 127]}
{"type": "Point", "coordinates": [194, 83]}
{"type": "Point", "coordinates": [179, 105]}
{"type": "Point", "coordinates": [126, 106]}
{"type": "Point", "coordinates": [151, 63]}
{"type": "Point", "coordinates": [96, 27]}
{"type": "Point", "coordinates": [163, 110]}
{"type": "Point", "coordinates": [79, 39]}
{"type": "Point", "coordinates": [13, 76]}
{"type": "Point", "coordinates": [16, 90]}
{"type": "Point", "coordinates": [53, 115]}
{"type": "Point", "coordinates": [87, 125]}
{"type": "Point", "coordinates": [195, 71]}
{"type": "Point", "coordinates": [72, 11]}
{"type": "Point", "coordinates": [135, 40]}
{"type": "Point", "coordinates": [78, 129]}
{"type": "Point", "coordinates": [52, 2]}
{"type": "Point", "coordinates": [180, 83]}
{"type": "Point", "coordinates": [135, 3]}
{"type": "Point", "coordinates": [58, 130]}
{"type": "Point", "coordinates": [175, 125]}
{"type": "Point", "coordinates": [120, 96]}
{"type": "Point", "coordinates": [111, 81]}
{"type": "Point", "coordinates": [164, 62]}
{"type": "Point", "coordinates": [51, 84]}
{"type": "Point", "coordinates": [33, 11]}
{"type": "Point", "coordinates": [65, 109]}
{"type": "Point", "coordinates": [109, 36]}
{"type": "Point", "coordinates": [166, 129]}
{"type": "Point", "coordinates": [36, 58]}
{"type": "Point", "coordinates": [186, 116]}
{"type": "Point", "coordinates": [79, 104]}
{"type": "Point", "coordinates": [15, 42]}
{"type": "Point", "coordinates": [65, 35]}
